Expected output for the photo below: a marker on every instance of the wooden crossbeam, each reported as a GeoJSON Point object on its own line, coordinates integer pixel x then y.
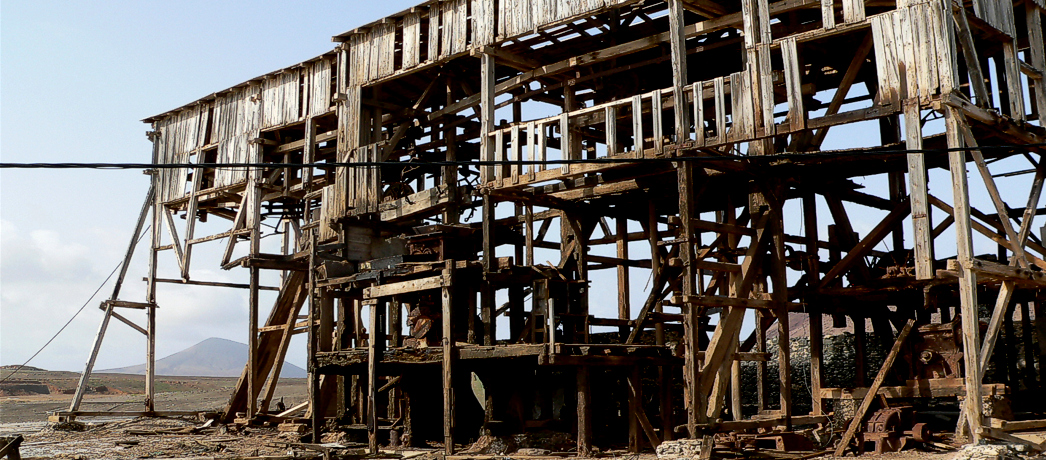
{"type": "Point", "coordinates": [868, 243]}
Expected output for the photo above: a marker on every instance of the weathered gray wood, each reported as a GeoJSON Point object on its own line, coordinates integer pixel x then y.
{"type": "Point", "coordinates": [922, 225]}
{"type": "Point", "coordinates": [448, 360]}
{"type": "Point", "coordinates": [967, 278]}
{"type": "Point", "coordinates": [828, 14]}
{"type": "Point", "coordinates": [679, 66]}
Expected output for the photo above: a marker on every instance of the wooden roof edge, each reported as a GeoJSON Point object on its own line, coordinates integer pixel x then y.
{"type": "Point", "coordinates": [215, 94]}
{"type": "Point", "coordinates": [344, 36]}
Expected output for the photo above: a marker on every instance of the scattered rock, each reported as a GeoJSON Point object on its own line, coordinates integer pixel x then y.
{"type": "Point", "coordinates": [990, 452]}
{"type": "Point", "coordinates": [531, 451]}
{"type": "Point", "coordinates": [683, 449]}
{"type": "Point", "coordinates": [72, 425]}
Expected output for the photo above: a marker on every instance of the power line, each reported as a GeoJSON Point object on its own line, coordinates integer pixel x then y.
{"type": "Point", "coordinates": [438, 163]}
{"type": "Point", "coordinates": [96, 291]}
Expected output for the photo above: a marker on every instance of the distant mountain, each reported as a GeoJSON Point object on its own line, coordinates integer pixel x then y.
{"type": "Point", "coordinates": [213, 357]}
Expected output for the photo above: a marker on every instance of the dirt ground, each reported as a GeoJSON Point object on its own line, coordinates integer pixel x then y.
{"type": "Point", "coordinates": [183, 438]}
{"type": "Point", "coordinates": [123, 392]}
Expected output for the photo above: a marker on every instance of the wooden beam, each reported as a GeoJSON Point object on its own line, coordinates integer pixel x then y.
{"type": "Point", "coordinates": [404, 287]}
{"type": "Point", "coordinates": [448, 361]}
{"type": "Point", "coordinates": [866, 403]}
{"type": "Point", "coordinates": [967, 278]}
{"type": "Point", "coordinates": [868, 243]}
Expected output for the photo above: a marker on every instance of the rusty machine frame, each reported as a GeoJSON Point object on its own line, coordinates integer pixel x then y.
{"type": "Point", "coordinates": [469, 191]}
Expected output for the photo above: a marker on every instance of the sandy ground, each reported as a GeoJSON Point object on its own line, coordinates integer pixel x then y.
{"type": "Point", "coordinates": [121, 438]}
{"type": "Point", "coordinates": [126, 393]}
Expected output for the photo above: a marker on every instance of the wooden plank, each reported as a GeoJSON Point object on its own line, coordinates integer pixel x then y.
{"type": "Point", "coordinates": [403, 287]}
{"type": "Point", "coordinates": [640, 413]}
{"type": "Point", "coordinates": [486, 115]}
{"type": "Point", "coordinates": [375, 350]}
{"type": "Point", "coordinates": [1001, 435]}
{"type": "Point", "coordinates": [611, 130]}
{"type": "Point", "coordinates": [656, 111]}
{"type": "Point", "coordinates": [720, 109]}
{"type": "Point", "coordinates": [1014, 86]}
{"type": "Point", "coordinates": [973, 62]}
{"type": "Point", "coordinates": [1037, 55]}
{"type": "Point", "coordinates": [922, 225]}
{"type": "Point", "coordinates": [993, 191]}
{"type": "Point", "coordinates": [967, 278]}
{"type": "Point", "coordinates": [677, 39]}
{"type": "Point", "coordinates": [637, 125]}
{"type": "Point", "coordinates": [699, 113]}
{"type": "Point", "coordinates": [828, 14]}
{"type": "Point", "coordinates": [869, 242]}
{"type": "Point", "coordinates": [853, 11]}
{"type": "Point", "coordinates": [866, 403]}
{"type": "Point", "coordinates": [793, 84]}
{"type": "Point", "coordinates": [447, 300]}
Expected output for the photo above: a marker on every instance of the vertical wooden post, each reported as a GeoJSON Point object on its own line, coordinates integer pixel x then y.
{"type": "Point", "coordinates": [451, 215]}
{"type": "Point", "coordinates": [584, 412]}
{"type": "Point", "coordinates": [967, 277]}
{"type": "Point", "coordinates": [761, 384]}
{"type": "Point", "coordinates": [623, 307]}
{"type": "Point", "coordinates": [81, 386]}
{"type": "Point", "coordinates": [685, 179]}
{"type": "Point", "coordinates": [813, 276]}
{"type": "Point", "coordinates": [634, 406]}
{"type": "Point", "coordinates": [448, 354]}
{"type": "Point", "coordinates": [150, 298]}
{"type": "Point", "coordinates": [778, 276]}
{"type": "Point", "coordinates": [486, 115]}
{"type": "Point", "coordinates": [922, 226]}
{"type": "Point", "coordinates": [664, 376]}
{"type": "Point", "coordinates": [677, 38]}
{"type": "Point", "coordinates": [315, 401]}
{"type": "Point", "coordinates": [375, 350]}
{"type": "Point", "coordinates": [490, 264]}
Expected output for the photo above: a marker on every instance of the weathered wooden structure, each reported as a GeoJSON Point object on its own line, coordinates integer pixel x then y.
{"type": "Point", "coordinates": [451, 181]}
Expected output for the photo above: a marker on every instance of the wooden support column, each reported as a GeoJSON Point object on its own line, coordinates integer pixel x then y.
{"type": "Point", "coordinates": [143, 215]}
{"type": "Point", "coordinates": [779, 277]}
{"type": "Point", "coordinates": [254, 220]}
{"type": "Point", "coordinates": [695, 411]}
{"type": "Point", "coordinates": [315, 398]}
{"type": "Point", "coordinates": [150, 298]}
{"type": "Point", "coordinates": [375, 350]}
{"type": "Point", "coordinates": [967, 277]}
{"type": "Point", "coordinates": [813, 277]}
{"type": "Point", "coordinates": [486, 115]}
{"type": "Point", "coordinates": [677, 38]}
{"type": "Point", "coordinates": [448, 358]}
{"type": "Point", "coordinates": [623, 294]}
{"type": "Point", "coordinates": [922, 225]}
{"type": "Point", "coordinates": [451, 215]}
{"type": "Point", "coordinates": [1037, 52]}
{"type": "Point", "coordinates": [664, 374]}
{"type": "Point", "coordinates": [487, 290]}
{"type": "Point", "coordinates": [584, 412]}
{"type": "Point", "coordinates": [762, 388]}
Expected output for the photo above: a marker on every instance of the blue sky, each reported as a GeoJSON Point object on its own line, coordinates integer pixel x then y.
{"type": "Point", "coordinates": [76, 78]}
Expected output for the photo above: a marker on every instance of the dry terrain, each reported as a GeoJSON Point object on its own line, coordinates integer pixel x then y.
{"type": "Point", "coordinates": [22, 399]}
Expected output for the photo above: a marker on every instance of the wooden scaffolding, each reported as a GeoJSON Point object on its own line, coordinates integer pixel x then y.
{"type": "Point", "coordinates": [470, 165]}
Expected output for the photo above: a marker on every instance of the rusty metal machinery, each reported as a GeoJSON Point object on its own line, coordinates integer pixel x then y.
{"type": "Point", "coordinates": [891, 429]}
{"type": "Point", "coordinates": [935, 351]}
